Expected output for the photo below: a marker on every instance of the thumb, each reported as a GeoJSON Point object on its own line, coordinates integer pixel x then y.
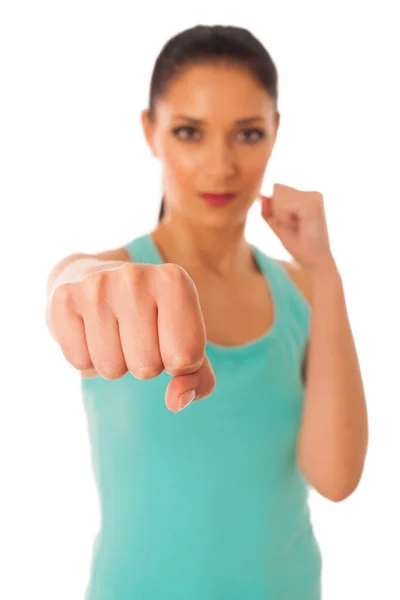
{"type": "Point", "coordinates": [279, 228]}
{"type": "Point", "coordinates": [202, 382]}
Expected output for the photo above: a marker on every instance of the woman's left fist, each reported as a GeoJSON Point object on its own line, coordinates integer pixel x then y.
{"type": "Point", "coordinates": [298, 219]}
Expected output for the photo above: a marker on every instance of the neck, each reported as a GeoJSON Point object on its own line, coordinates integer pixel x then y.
{"type": "Point", "coordinates": [220, 252]}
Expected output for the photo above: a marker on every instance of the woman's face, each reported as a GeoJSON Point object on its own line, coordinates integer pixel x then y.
{"type": "Point", "coordinates": [214, 130]}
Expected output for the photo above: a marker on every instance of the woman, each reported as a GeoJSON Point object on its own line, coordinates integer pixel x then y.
{"type": "Point", "coordinates": [211, 502]}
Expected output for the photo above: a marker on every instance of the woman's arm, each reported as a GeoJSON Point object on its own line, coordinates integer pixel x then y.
{"type": "Point", "coordinates": [333, 437]}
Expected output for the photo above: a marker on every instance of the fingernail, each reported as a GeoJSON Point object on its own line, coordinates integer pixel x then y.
{"type": "Point", "coordinates": [186, 398]}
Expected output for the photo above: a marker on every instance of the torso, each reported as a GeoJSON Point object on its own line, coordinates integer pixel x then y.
{"type": "Point", "coordinates": [231, 315]}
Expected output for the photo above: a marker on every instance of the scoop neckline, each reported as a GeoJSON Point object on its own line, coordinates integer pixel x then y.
{"type": "Point", "coordinates": [269, 335]}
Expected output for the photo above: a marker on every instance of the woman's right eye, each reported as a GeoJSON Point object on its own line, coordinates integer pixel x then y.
{"type": "Point", "coordinates": [179, 132]}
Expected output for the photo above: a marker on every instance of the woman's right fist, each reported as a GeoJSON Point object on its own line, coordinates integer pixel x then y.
{"type": "Point", "coordinates": [139, 318]}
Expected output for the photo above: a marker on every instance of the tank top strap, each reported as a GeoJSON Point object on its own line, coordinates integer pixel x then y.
{"type": "Point", "coordinates": [290, 303]}
{"type": "Point", "coordinates": [143, 250]}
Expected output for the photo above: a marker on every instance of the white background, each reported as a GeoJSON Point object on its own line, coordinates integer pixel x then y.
{"type": "Point", "coordinates": [77, 176]}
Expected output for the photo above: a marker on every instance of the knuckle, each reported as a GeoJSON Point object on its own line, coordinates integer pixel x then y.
{"type": "Point", "coordinates": [147, 372]}
{"type": "Point", "coordinates": [111, 369]}
{"type": "Point", "coordinates": [126, 271]}
{"type": "Point", "coordinates": [184, 363]}
{"type": "Point", "coordinates": [81, 363]}
{"type": "Point", "coordinates": [132, 284]}
{"type": "Point", "coordinates": [93, 286]}
{"type": "Point", "coordinates": [62, 296]}
{"type": "Point", "coordinates": [131, 272]}
{"type": "Point", "coordinates": [172, 272]}
{"type": "Point", "coordinates": [76, 354]}
{"type": "Point", "coordinates": [132, 277]}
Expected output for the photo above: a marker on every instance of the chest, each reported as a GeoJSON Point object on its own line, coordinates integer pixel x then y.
{"type": "Point", "coordinates": [235, 314]}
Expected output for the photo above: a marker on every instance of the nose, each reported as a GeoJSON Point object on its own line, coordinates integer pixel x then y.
{"type": "Point", "coordinates": [220, 160]}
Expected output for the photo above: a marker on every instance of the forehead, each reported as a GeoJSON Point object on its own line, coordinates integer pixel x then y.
{"type": "Point", "coordinates": [215, 92]}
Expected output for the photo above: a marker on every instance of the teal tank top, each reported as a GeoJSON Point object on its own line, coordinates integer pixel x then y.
{"type": "Point", "coordinates": [207, 503]}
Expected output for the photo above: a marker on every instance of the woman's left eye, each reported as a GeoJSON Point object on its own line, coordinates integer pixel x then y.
{"type": "Point", "coordinates": [253, 135]}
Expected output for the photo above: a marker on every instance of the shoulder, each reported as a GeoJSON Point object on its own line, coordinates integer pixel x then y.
{"type": "Point", "coordinates": [299, 277]}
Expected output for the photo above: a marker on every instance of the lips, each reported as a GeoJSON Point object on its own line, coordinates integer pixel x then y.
{"type": "Point", "coordinates": [217, 199]}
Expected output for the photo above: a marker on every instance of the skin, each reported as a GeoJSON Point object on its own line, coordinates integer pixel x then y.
{"type": "Point", "coordinates": [219, 154]}
{"type": "Point", "coordinates": [209, 243]}
{"type": "Point", "coordinates": [216, 155]}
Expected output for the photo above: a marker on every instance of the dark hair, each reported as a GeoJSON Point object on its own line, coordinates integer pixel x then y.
{"type": "Point", "coordinates": [216, 43]}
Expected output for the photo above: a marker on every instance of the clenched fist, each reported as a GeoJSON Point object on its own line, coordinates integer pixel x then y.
{"type": "Point", "coordinates": [139, 318]}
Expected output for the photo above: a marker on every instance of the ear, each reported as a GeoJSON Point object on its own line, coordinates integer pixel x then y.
{"type": "Point", "coordinates": [148, 129]}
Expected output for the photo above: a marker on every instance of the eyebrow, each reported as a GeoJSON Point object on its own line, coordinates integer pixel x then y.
{"type": "Point", "coordinates": [201, 122]}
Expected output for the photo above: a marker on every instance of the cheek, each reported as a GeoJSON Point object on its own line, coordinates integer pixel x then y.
{"type": "Point", "coordinates": [179, 164]}
{"type": "Point", "coordinates": [252, 171]}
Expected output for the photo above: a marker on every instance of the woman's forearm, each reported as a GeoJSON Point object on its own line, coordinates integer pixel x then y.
{"type": "Point", "coordinates": [333, 437]}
